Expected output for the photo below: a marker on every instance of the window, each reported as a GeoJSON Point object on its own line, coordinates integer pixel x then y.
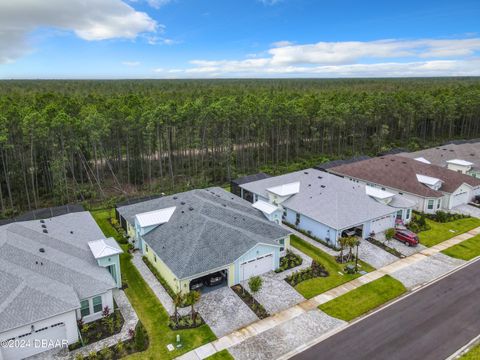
{"type": "Point", "coordinates": [399, 214]}
{"type": "Point", "coordinates": [297, 219]}
{"type": "Point", "coordinates": [400, 193]}
{"type": "Point", "coordinates": [439, 203]}
{"type": "Point", "coordinates": [84, 308]}
{"type": "Point", "coordinates": [430, 204]}
{"type": "Point", "coordinates": [146, 248]}
{"type": "Point", "coordinates": [97, 304]}
{"type": "Point", "coordinates": [409, 211]}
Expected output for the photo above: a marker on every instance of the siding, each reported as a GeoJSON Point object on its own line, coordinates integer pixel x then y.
{"type": "Point", "coordinates": [258, 250]}
{"type": "Point", "coordinates": [316, 228]}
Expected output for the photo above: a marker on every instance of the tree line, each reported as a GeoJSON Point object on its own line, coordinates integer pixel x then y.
{"type": "Point", "coordinates": [69, 141]}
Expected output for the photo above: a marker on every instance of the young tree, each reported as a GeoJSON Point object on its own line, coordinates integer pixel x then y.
{"type": "Point", "coordinates": [255, 284]}
{"type": "Point", "coordinates": [343, 242]}
{"type": "Point", "coordinates": [177, 302]}
{"type": "Point", "coordinates": [192, 298]}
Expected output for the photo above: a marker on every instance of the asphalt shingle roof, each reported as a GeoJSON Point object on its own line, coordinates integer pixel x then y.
{"type": "Point", "coordinates": [326, 198]}
{"type": "Point", "coordinates": [400, 173]}
{"type": "Point", "coordinates": [468, 151]}
{"type": "Point", "coordinates": [37, 284]}
{"type": "Point", "coordinates": [210, 228]}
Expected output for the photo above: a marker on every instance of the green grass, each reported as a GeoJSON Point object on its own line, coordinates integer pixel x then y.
{"type": "Point", "coordinates": [221, 355]}
{"type": "Point", "coordinates": [473, 354]}
{"type": "Point", "coordinates": [313, 287]}
{"type": "Point", "coordinates": [150, 311]}
{"type": "Point", "coordinates": [440, 232]}
{"type": "Point", "coordinates": [102, 217]}
{"type": "Point", "coordinates": [466, 250]}
{"type": "Point", "coordinates": [363, 299]}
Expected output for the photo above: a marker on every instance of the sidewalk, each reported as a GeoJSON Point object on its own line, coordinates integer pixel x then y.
{"type": "Point", "coordinates": [280, 318]}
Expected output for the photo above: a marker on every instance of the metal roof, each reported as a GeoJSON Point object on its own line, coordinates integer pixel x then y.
{"type": "Point", "coordinates": [155, 217]}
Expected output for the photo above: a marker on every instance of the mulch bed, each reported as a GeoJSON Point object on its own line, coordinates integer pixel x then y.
{"type": "Point", "coordinates": [248, 299]}
{"type": "Point", "coordinates": [388, 249]}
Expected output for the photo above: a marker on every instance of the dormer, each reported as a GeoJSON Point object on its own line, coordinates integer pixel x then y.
{"type": "Point", "coordinates": [380, 195]}
{"type": "Point", "coordinates": [280, 193]}
{"type": "Point", "coordinates": [107, 253]}
{"type": "Point", "coordinates": [460, 166]}
{"type": "Point", "coordinates": [431, 182]}
{"type": "Point", "coordinates": [423, 160]}
{"type": "Point", "coordinates": [146, 222]}
{"type": "Point", "coordinates": [271, 212]}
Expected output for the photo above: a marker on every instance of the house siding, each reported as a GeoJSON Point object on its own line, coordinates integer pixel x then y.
{"type": "Point", "coordinates": [112, 260]}
{"type": "Point", "coordinates": [107, 300]}
{"type": "Point", "coordinates": [316, 228]}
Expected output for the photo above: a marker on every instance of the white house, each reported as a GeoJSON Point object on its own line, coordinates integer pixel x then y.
{"type": "Point", "coordinates": [430, 187]}
{"type": "Point", "coordinates": [327, 206]}
{"type": "Point", "coordinates": [53, 272]}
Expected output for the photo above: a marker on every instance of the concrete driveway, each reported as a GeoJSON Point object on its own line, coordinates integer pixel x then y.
{"type": "Point", "coordinates": [224, 311]}
{"type": "Point", "coordinates": [276, 294]}
{"type": "Point", "coordinates": [467, 210]}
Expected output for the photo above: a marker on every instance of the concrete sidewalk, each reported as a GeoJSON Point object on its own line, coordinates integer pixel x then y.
{"type": "Point", "coordinates": [289, 314]}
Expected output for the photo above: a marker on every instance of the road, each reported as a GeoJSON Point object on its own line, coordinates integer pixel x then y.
{"type": "Point", "coordinates": [432, 323]}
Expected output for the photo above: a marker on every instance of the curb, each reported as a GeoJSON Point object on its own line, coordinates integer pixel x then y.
{"type": "Point", "coordinates": [465, 349]}
{"type": "Point", "coordinates": [325, 336]}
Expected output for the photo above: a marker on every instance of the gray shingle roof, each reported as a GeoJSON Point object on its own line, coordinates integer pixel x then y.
{"type": "Point", "coordinates": [326, 198]}
{"type": "Point", "coordinates": [35, 285]}
{"type": "Point", "coordinates": [211, 229]}
{"type": "Point", "coordinates": [468, 151]}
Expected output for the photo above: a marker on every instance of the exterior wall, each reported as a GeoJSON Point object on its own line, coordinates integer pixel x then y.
{"type": "Point", "coordinates": [113, 260]}
{"type": "Point", "coordinates": [276, 199]}
{"type": "Point", "coordinates": [458, 168]}
{"type": "Point", "coordinates": [68, 318]}
{"type": "Point", "coordinates": [317, 229]}
{"type": "Point", "coordinates": [259, 250]}
{"type": "Point", "coordinates": [367, 227]}
{"type": "Point", "coordinates": [463, 188]}
{"type": "Point", "coordinates": [162, 268]}
{"type": "Point", "coordinates": [107, 300]}
{"type": "Point", "coordinates": [276, 216]}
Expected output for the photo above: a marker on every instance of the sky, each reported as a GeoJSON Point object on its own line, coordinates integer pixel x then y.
{"type": "Point", "coordinates": [238, 39]}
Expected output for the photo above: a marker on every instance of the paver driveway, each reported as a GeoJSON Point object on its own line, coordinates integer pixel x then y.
{"type": "Point", "coordinates": [467, 210]}
{"type": "Point", "coordinates": [426, 270]}
{"type": "Point", "coordinates": [374, 255]}
{"type": "Point", "coordinates": [224, 311]}
{"type": "Point", "coordinates": [283, 338]}
{"type": "Point", "coordinates": [276, 295]}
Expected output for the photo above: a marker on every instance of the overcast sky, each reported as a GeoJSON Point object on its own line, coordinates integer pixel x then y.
{"type": "Point", "coordinates": [244, 38]}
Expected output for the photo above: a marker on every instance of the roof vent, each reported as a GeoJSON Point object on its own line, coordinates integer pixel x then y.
{"type": "Point", "coordinates": [305, 172]}
{"type": "Point", "coordinates": [472, 154]}
{"type": "Point", "coordinates": [322, 186]}
{"type": "Point", "coordinates": [42, 221]}
{"type": "Point", "coordinates": [190, 208]}
{"type": "Point", "coordinates": [224, 205]}
{"type": "Point", "coordinates": [392, 159]}
{"type": "Point", "coordinates": [42, 250]}
{"type": "Point", "coordinates": [182, 202]}
{"type": "Point", "coordinates": [45, 231]}
{"type": "Point", "coordinates": [44, 226]}
{"type": "Point", "coordinates": [309, 184]}
{"type": "Point", "coordinates": [320, 177]}
{"type": "Point", "coordinates": [71, 232]}
{"type": "Point", "coordinates": [183, 212]}
{"type": "Point", "coordinates": [175, 198]}
{"type": "Point", "coordinates": [404, 162]}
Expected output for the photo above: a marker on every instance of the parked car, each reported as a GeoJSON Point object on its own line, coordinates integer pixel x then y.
{"type": "Point", "coordinates": [408, 237]}
{"type": "Point", "coordinates": [196, 284]}
{"type": "Point", "coordinates": [214, 279]}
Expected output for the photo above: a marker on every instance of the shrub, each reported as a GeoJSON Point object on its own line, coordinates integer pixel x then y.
{"type": "Point", "coordinates": [255, 283]}
{"type": "Point", "coordinates": [389, 233]}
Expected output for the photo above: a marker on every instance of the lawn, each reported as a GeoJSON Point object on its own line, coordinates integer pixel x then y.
{"type": "Point", "coordinates": [466, 250]}
{"type": "Point", "coordinates": [221, 355]}
{"type": "Point", "coordinates": [440, 232]}
{"type": "Point", "coordinates": [313, 287]}
{"type": "Point", "coordinates": [363, 299]}
{"type": "Point", "coordinates": [473, 354]}
{"type": "Point", "coordinates": [151, 313]}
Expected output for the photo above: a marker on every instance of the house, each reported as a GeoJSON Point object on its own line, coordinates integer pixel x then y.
{"type": "Point", "coordinates": [463, 157]}
{"type": "Point", "coordinates": [327, 206]}
{"type": "Point", "coordinates": [53, 272]}
{"type": "Point", "coordinates": [190, 235]}
{"type": "Point", "coordinates": [235, 185]}
{"type": "Point", "coordinates": [430, 187]}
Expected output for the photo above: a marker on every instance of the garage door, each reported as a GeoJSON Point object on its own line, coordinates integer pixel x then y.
{"type": "Point", "coordinates": [31, 344]}
{"type": "Point", "coordinates": [256, 266]}
{"type": "Point", "coordinates": [381, 224]}
{"type": "Point", "coordinates": [459, 199]}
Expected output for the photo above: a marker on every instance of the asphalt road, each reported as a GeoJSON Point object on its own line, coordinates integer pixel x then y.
{"type": "Point", "coordinates": [432, 323]}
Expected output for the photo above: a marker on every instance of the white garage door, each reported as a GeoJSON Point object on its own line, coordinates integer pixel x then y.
{"type": "Point", "coordinates": [459, 199]}
{"type": "Point", "coordinates": [32, 344]}
{"type": "Point", "coordinates": [381, 224]}
{"type": "Point", "coordinates": [256, 266]}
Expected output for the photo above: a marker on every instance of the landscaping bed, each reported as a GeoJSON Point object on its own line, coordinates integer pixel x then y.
{"type": "Point", "coordinates": [314, 271]}
{"type": "Point", "coordinates": [110, 324]}
{"type": "Point", "coordinates": [248, 299]}
{"type": "Point", "coordinates": [466, 250]}
{"type": "Point", "coordinates": [289, 261]}
{"type": "Point", "coordinates": [312, 287]}
{"type": "Point", "coordinates": [364, 298]}
{"type": "Point", "coordinates": [185, 322]}
{"type": "Point", "coordinates": [383, 246]}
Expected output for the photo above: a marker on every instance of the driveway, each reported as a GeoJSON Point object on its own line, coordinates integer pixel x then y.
{"type": "Point", "coordinates": [224, 311]}
{"type": "Point", "coordinates": [374, 255]}
{"type": "Point", "coordinates": [276, 295]}
{"type": "Point", "coordinates": [404, 249]}
{"type": "Point", "coordinates": [426, 270]}
{"type": "Point", "coordinates": [283, 338]}
{"type": "Point", "coordinates": [467, 210]}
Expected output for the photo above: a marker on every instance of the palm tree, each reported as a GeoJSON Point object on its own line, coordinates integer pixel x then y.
{"type": "Point", "coordinates": [192, 298]}
{"type": "Point", "coordinates": [177, 301]}
{"type": "Point", "coordinates": [343, 241]}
